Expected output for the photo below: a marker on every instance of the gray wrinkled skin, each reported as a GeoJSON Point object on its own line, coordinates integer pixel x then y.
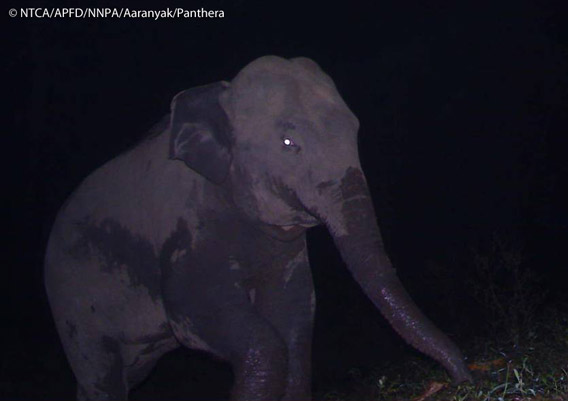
{"type": "Point", "coordinates": [196, 237]}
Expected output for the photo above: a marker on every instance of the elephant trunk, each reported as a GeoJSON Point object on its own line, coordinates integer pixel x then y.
{"type": "Point", "coordinates": [356, 234]}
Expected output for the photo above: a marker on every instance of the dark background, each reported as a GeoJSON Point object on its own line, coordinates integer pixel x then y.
{"type": "Point", "coordinates": [463, 110]}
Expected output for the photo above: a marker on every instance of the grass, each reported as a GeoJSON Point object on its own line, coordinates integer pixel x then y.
{"type": "Point", "coordinates": [537, 370]}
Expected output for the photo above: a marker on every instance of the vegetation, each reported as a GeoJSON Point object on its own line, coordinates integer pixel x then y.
{"type": "Point", "coordinates": [537, 371]}
{"type": "Point", "coordinates": [519, 352]}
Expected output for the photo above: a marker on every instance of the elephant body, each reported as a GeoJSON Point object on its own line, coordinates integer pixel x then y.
{"type": "Point", "coordinates": [196, 237]}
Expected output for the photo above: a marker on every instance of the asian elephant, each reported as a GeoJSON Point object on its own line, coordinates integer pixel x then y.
{"type": "Point", "coordinates": [197, 237]}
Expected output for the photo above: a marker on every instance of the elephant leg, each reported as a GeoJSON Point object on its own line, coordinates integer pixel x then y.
{"type": "Point", "coordinates": [213, 312]}
{"type": "Point", "coordinates": [288, 302]}
{"type": "Point", "coordinates": [249, 342]}
{"type": "Point", "coordinates": [108, 369]}
{"type": "Point", "coordinates": [260, 364]}
{"type": "Point", "coordinates": [98, 369]}
{"type": "Point", "coordinates": [95, 356]}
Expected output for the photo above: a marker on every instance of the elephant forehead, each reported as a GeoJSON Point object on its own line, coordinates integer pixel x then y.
{"type": "Point", "coordinates": [299, 67]}
{"type": "Point", "coordinates": [275, 90]}
{"type": "Point", "coordinates": [265, 102]}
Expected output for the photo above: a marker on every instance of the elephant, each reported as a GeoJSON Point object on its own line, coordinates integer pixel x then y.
{"type": "Point", "coordinates": [196, 237]}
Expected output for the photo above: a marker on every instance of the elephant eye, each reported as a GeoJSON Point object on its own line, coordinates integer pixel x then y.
{"type": "Point", "coordinates": [288, 141]}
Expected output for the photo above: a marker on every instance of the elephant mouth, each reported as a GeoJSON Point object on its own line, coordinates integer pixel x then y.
{"type": "Point", "coordinates": [287, 232]}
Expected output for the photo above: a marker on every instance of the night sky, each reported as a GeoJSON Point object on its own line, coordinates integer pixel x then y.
{"type": "Point", "coordinates": [464, 123]}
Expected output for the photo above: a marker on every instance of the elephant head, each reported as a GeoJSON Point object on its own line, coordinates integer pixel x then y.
{"type": "Point", "coordinates": [283, 142]}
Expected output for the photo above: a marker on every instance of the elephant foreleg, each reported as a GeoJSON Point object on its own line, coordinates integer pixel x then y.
{"type": "Point", "coordinates": [288, 302]}
{"type": "Point", "coordinates": [214, 312]}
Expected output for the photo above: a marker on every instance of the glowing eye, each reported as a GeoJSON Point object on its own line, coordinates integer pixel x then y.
{"type": "Point", "coordinates": [288, 142]}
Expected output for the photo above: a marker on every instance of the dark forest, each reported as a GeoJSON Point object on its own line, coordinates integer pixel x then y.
{"type": "Point", "coordinates": [464, 119]}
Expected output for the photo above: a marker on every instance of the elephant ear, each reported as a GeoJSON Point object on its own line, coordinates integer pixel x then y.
{"type": "Point", "coordinates": [201, 132]}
